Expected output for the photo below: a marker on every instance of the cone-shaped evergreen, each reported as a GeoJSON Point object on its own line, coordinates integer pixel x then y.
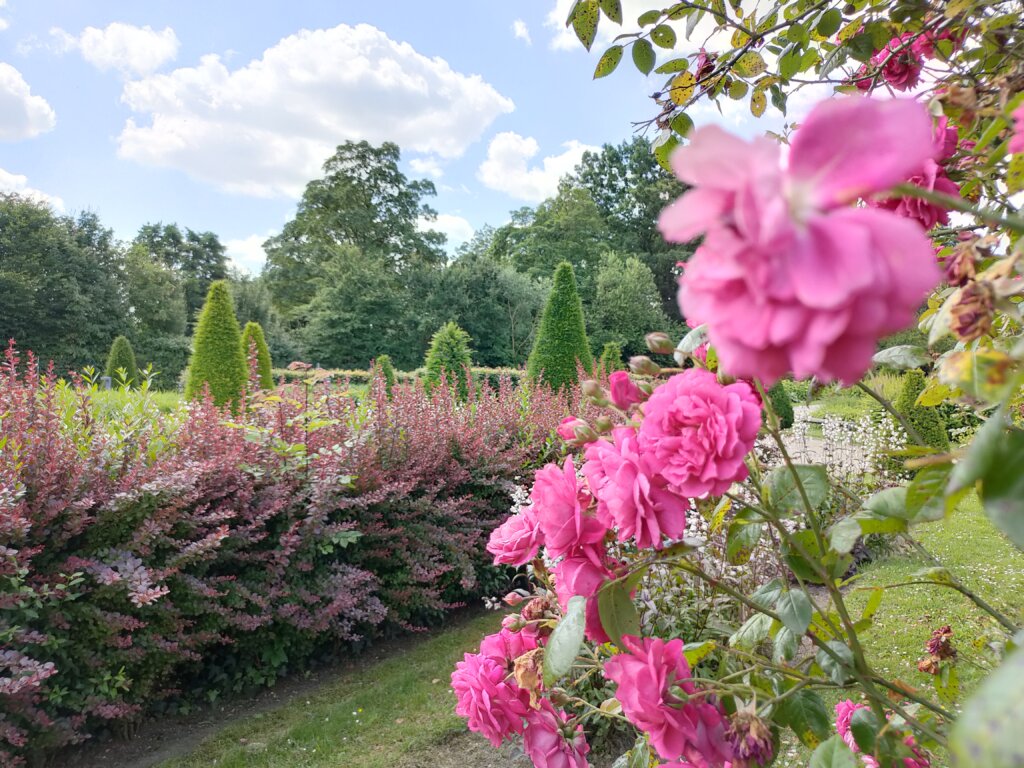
{"type": "Point", "coordinates": [253, 331]}
{"type": "Point", "coordinates": [449, 352]}
{"type": "Point", "coordinates": [611, 357]}
{"type": "Point", "coordinates": [122, 356]}
{"type": "Point", "coordinates": [386, 369]}
{"type": "Point", "coordinates": [927, 421]}
{"type": "Point", "coordinates": [781, 404]}
{"type": "Point", "coordinates": [217, 358]}
{"type": "Point", "coordinates": [562, 339]}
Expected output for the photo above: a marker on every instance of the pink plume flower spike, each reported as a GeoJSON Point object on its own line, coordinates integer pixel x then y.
{"type": "Point", "coordinates": [789, 278]}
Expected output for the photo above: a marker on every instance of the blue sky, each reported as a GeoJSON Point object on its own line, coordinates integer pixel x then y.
{"type": "Point", "coordinates": [215, 114]}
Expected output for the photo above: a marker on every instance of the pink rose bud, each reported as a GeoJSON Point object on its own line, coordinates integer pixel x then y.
{"type": "Point", "coordinates": [625, 392]}
{"type": "Point", "coordinates": [584, 433]}
{"type": "Point", "coordinates": [513, 599]}
{"type": "Point", "coordinates": [603, 425]}
{"type": "Point", "coordinates": [567, 428]}
{"type": "Point", "coordinates": [660, 343]}
{"type": "Point", "coordinates": [592, 389]}
{"type": "Point", "coordinates": [644, 366]}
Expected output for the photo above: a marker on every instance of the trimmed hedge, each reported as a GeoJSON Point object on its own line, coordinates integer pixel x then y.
{"type": "Point", "coordinates": [122, 356]}
{"type": "Point", "coordinates": [253, 332]}
{"type": "Point", "coordinates": [561, 347]}
{"type": "Point", "coordinates": [492, 376]}
{"type": "Point", "coordinates": [217, 359]}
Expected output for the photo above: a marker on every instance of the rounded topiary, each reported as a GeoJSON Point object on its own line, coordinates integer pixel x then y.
{"type": "Point", "coordinates": [927, 421]}
{"type": "Point", "coordinates": [386, 370]}
{"type": "Point", "coordinates": [122, 357]}
{"type": "Point", "coordinates": [781, 404]}
{"type": "Point", "coordinates": [561, 342]}
{"type": "Point", "coordinates": [611, 357]}
{"type": "Point", "coordinates": [253, 334]}
{"type": "Point", "coordinates": [448, 353]}
{"type": "Point", "coordinates": [217, 359]}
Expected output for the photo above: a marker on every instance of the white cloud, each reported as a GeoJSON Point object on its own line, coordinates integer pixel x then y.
{"type": "Point", "coordinates": [133, 51]}
{"type": "Point", "coordinates": [427, 166]}
{"type": "Point", "coordinates": [18, 184]}
{"type": "Point", "coordinates": [247, 253]}
{"type": "Point", "coordinates": [4, 24]}
{"type": "Point", "coordinates": [507, 168]}
{"type": "Point", "coordinates": [521, 31]}
{"type": "Point", "coordinates": [266, 128]}
{"type": "Point", "coordinates": [22, 114]}
{"type": "Point", "coordinates": [456, 228]}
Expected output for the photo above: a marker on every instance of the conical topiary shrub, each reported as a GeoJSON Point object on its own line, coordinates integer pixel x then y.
{"type": "Point", "coordinates": [781, 405]}
{"type": "Point", "coordinates": [253, 333]}
{"type": "Point", "coordinates": [386, 369]}
{"type": "Point", "coordinates": [561, 341]}
{"type": "Point", "coordinates": [611, 357]}
{"type": "Point", "coordinates": [927, 421]}
{"type": "Point", "coordinates": [449, 353]}
{"type": "Point", "coordinates": [122, 357]}
{"type": "Point", "coordinates": [217, 359]}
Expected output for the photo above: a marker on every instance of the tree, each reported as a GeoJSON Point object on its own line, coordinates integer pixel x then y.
{"type": "Point", "coordinates": [561, 342]}
{"type": "Point", "coordinates": [627, 305]}
{"type": "Point", "coordinates": [252, 335]}
{"type": "Point", "coordinates": [386, 369]}
{"type": "Point", "coordinates": [217, 359]}
{"type": "Point", "coordinates": [253, 303]}
{"type": "Point", "coordinates": [611, 357]}
{"type": "Point", "coordinates": [197, 257]}
{"type": "Point", "coordinates": [781, 404]}
{"type": "Point", "coordinates": [449, 357]}
{"type": "Point", "coordinates": [121, 366]}
{"type": "Point", "coordinates": [928, 422]}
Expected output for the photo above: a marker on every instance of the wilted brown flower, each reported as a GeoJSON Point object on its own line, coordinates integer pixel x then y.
{"type": "Point", "coordinates": [751, 740]}
{"type": "Point", "coordinates": [529, 672]}
{"type": "Point", "coordinates": [974, 311]}
{"type": "Point", "coordinates": [960, 263]}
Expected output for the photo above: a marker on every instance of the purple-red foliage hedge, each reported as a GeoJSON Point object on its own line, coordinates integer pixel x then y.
{"type": "Point", "coordinates": [145, 556]}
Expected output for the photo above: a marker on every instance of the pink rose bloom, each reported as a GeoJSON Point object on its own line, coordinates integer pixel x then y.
{"type": "Point", "coordinates": [517, 540]}
{"type": "Point", "coordinates": [862, 80]}
{"type": "Point", "coordinates": [696, 433]}
{"type": "Point", "coordinates": [844, 713]}
{"type": "Point", "coordinates": [547, 743]}
{"type": "Point", "coordinates": [789, 276]}
{"type": "Point", "coordinates": [933, 178]}
{"type": "Point", "coordinates": [561, 504]}
{"type": "Point", "coordinates": [902, 66]}
{"type": "Point", "coordinates": [624, 391]}
{"type": "Point", "coordinates": [945, 137]}
{"type": "Point", "coordinates": [692, 729]}
{"type": "Point", "coordinates": [582, 576]}
{"type": "Point", "coordinates": [924, 45]}
{"type": "Point", "coordinates": [629, 494]}
{"type": "Point", "coordinates": [566, 428]}
{"type": "Point", "coordinates": [1016, 144]}
{"type": "Point", "coordinates": [506, 646]}
{"type": "Point", "coordinates": [493, 707]}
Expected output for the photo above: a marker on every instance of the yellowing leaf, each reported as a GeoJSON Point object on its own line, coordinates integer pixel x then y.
{"type": "Point", "coordinates": [681, 89]}
{"type": "Point", "coordinates": [758, 103]}
{"type": "Point", "coordinates": [1015, 174]}
{"type": "Point", "coordinates": [750, 64]}
{"type": "Point", "coordinates": [609, 61]}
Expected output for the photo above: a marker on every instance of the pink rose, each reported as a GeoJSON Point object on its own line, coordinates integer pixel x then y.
{"type": "Point", "coordinates": [844, 713]}
{"type": "Point", "coordinates": [630, 495]}
{"type": "Point", "coordinates": [933, 178]}
{"type": "Point", "coordinates": [647, 678]}
{"type": "Point", "coordinates": [517, 540]}
{"type": "Point", "coordinates": [1016, 144]}
{"type": "Point", "coordinates": [696, 432]}
{"type": "Point", "coordinates": [550, 743]}
{"type": "Point", "coordinates": [924, 44]}
{"type": "Point", "coordinates": [506, 646]}
{"type": "Point", "coordinates": [901, 66]}
{"type": "Point", "coordinates": [492, 706]}
{"type": "Point", "coordinates": [582, 576]}
{"type": "Point", "coordinates": [561, 504]}
{"type": "Point", "coordinates": [624, 391]}
{"type": "Point", "coordinates": [789, 276]}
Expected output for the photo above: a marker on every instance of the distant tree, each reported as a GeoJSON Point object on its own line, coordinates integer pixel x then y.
{"type": "Point", "coordinates": [561, 341]}
{"type": "Point", "coordinates": [611, 357]}
{"type": "Point", "coordinates": [217, 359]}
{"type": "Point", "coordinates": [155, 294]}
{"type": "Point", "coordinates": [252, 334]}
{"type": "Point", "coordinates": [628, 306]}
{"type": "Point", "coordinates": [199, 258]}
{"type": "Point", "coordinates": [121, 366]}
{"type": "Point", "coordinates": [254, 304]}
{"type": "Point", "coordinates": [449, 356]}
{"type": "Point", "coordinates": [386, 369]}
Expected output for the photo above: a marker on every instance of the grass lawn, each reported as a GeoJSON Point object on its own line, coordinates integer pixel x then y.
{"type": "Point", "coordinates": [367, 718]}
{"type": "Point", "coordinates": [982, 558]}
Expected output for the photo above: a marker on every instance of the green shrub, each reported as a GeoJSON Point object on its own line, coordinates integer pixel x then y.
{"type": "Point", "coordinates": [781, 405]}
{"type": "Point", "coordinates": [449, 354]}
{"type": "Point", "coordinates": [798, 391]}
{"type": "Point", "coordinates": [927, 421]}
{"type": "Point", "coordinates": [168, 355]}
{"type": "Point", "coordinates": [387, 370]}
{"type": "Point", "coordinates": [561, 342]}
{"type": "Point", "coordinates": [217, 359]}
{"type": "Point", "coordinates": [253, 332]}
{"type": "Point", "coordinates": [122, 356]}
{"type": "Point", "coordinates": [611, 357]}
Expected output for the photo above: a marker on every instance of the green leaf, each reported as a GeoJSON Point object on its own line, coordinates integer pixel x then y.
{"type": "Point", "coordinates": [768, 593]}
{"type": "Point", "coordinates": [673, 66]}
{"type": "Point", "coordinates": [795, 610]}
{"type": "Point", "coordinates": [926, 494]}
{"type": "Point", "coordinates": [947, 684]}
{"type": "Point", "coordinates": [839, 671]}
{"type": "Point", "coordinates": [988, 731]}
{"type": "Point", "coordinates": [664, 149]}
{"type": "Point", "coordinates": [564, 643]}
{"type": "Point", "coordinates": [608, 62]}
{"type": "Point", "coordinates": [618, 613]}
{"type": "Point", "coordinates": [643, 56]}
{"type": "Point", "coordinates": [741, 540]}
{"type": "Point", "coordinates": [612, 9]}
{"type": "Point", "coordinates": [738, 89]}
{"type": "Point", "coordinates": [754, 630]}
{"type": "Point", "coordinates": [681, 124]}
{"type": "Point", "coordinates": [937, 575]}
{"type": "Point", "coordinates": [1002, 488]}
{"type": "Point", "coordinates": [783, 491]}
{"type": "Point", "coordinates": [1015, 174]}
{"type": "Point", "coordinates": [695, 652]}
{"type": "Point", "coordinates": [833, 753]}
{"type": "Point", "coordinates": [785, 645]}
{"type": "Point", "coordinates": [843, 535]}
{"type": "Point", "coordinates": [584, 21]}
{"type": "Point", "coordinates": [790, 64]}
{"type": "Point", "coordinates": [805, 714]}
{"type": "Point", "coordinates": [981, 455]}
{"type": "Point", "coordinates": [750, 64]}
{"type": "Point", "coordinates": [648, 17]}
{"type": "Point", "coordinates": [872, 522]}
{"type": "Point", "coordinates": [797, 33]}
{"type": "Point", "coordinates": [829, 22]}
{"type": "Point", "coordinates": [903, 357]}
{"type": "Point", "coordinates": [864, 727]}
{"type": "Point", "coordinates": [892, 502]}
{"type": "Point", "coordinates": [835, 564]}
{"type": "Point", "coordinates": [663, 36]}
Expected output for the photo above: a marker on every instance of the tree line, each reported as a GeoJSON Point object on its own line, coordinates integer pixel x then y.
{"type": "Point", "coordinates": [357, 273]}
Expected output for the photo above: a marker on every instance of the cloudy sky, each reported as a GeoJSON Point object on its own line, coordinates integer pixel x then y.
{"type": "Point", "coordinates": [214, 115]}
